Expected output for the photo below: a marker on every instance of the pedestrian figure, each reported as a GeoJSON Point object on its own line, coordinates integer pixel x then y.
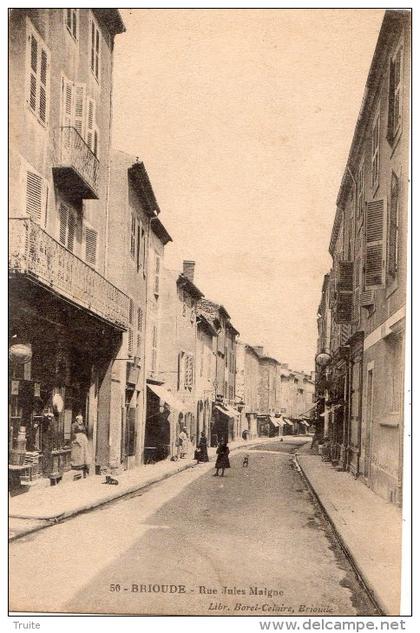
{"type": "Point", "coordinates": [183, 443]}
{"type": "Point", "coordinates": [202, 454]}
{"type": "Point", "coordinates": [80, 457]}
{"type": "Point", "coordinates": [222, 460]}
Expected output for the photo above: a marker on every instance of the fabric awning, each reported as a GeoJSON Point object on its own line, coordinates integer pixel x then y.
{"type": "Point", "coordinates": [227, 411]}
{"type": "Point", "coordinates": [287, 421]}
{"type": "Point", "coordinates": [233, 412]}
{"type": "Point", "coordinates": [164, 394]}
{"type": "Point", "coordinates": [304, 422]}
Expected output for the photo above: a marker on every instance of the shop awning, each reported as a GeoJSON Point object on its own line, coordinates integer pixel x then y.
{"type": "Point", "coordinates": [224, 410]}
{"type": "Point", "coordinates": [233, 412]}
{"type": "Point", "coordinates": [167, 396]}
{"type": "Point", "coordinates": [274, 421]}
{"type": "Point", "coordinates": [304, 422]}
{"type": "Point", "coordinates": [287, 421]}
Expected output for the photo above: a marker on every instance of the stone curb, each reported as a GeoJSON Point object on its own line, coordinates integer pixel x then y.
{"type": "Point", "coordinates": [351, 556]}
{"type": "Point", "coordinates": [57, 518]}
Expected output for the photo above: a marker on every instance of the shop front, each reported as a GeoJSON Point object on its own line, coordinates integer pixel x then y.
{"type": "Point", "coordinates": [165, 418]}
{"type": "Point", "coordinates": [68, 351]}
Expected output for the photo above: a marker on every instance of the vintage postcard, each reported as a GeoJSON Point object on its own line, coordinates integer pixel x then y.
{"type": "Point", "coordinates": [208, 264]}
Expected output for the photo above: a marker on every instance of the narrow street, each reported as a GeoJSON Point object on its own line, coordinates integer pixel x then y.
{"type": "Point", "coordinates": [164, 550]}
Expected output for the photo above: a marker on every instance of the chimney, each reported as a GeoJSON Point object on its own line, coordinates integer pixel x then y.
{"type": "Point", "coordinates": [259, 349]}
{"type": "Point", "coordinates": [188, 270]}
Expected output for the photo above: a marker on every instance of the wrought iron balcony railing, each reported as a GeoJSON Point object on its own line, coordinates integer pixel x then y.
{"type": "Point", "coordinates": [78, 170]}
{"type": "Point", "coordinates": [37, 255]}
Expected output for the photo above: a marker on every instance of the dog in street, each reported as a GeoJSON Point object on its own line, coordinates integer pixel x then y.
{"type": "Point", "coordinates": [245, 461]}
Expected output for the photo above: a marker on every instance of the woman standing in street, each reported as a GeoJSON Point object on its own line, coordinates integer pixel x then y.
{"type": "Point", "coordinates": [80, 458]}
{"type": "Point", "coordinates": [202, 446]}
{"type": "Point", "coordinates": [222, 460]}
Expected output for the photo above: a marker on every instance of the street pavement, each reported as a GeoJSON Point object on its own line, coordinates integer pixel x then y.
{"type": "Point", "coordinates": [251, 543]}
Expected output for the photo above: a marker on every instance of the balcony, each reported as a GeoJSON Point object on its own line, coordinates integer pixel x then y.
{"type": "Point", "coordinates": [38, 256]}
{"type": "Point", "coordinates": [78, 169]}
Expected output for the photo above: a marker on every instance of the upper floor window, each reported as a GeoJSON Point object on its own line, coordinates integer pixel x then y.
{"type": "Point", "coordinates": [395, 94]}
{"type": "Point", "coordinates": [375, 152]}
{"type": "Point", "coordinates": [36, 194]}
{"type": "Point", "coordinates": [90, 238]}
{"type": "Point", "coordinates": [360, 190]}
{"type": "Point", "coordinates": [68, 223]}
{"type": "Point", "coordinates": [79, 111]}
{"type": "Point", "coordinates": [157, 275]}
{"type": "Point", "coordinates": [71, 17]}
{"type": "Point", "coordinates": [94, 47]}
{"type": "Point", "coordinates": [393, 227]}
{"type": "Point", "coordinates": [133, 224]}
{"type": "Point", "coordinates": [38, 74]}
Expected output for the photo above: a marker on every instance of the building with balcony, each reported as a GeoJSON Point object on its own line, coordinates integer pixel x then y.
{"type": "Point", "coordinates": [64, 309]}
{"type": "Point", "coordinates": [362, 312]}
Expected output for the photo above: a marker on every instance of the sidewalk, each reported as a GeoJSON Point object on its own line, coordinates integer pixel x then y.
{"type": "Point", "coordinates": [40, 508]}
{"type": "Point", "coordinates": [369, 528]}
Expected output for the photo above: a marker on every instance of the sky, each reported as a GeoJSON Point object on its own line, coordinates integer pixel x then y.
{"type": "Point", "coordinates": [244, 120]}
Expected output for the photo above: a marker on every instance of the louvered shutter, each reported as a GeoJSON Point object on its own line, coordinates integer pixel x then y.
{"type": "Point", "coordinates": [72, 223]}
{"type": "Point", "coordinates": [374, 254]}
{"type": "Point", "coordinates": [393, 227]}
{"type": "Point", "coordinates": [62, 212]}
{"type": "Point", "coordinates": [344, 283]}
{"type": "Point", "coordinates": [43, 86]}
{"type": "Point", "coordinates": [90, 123]}
{"type": "Point", "coordinates": [66, 102]}
{"type": "Point", "coordinates": [91, 240]}
{"type": "Point", "coordinates": [35, 197]}
{"type": "Point", "coordinates": [33, 72]}
{"type": "Point", "coordinates": [79, 107]}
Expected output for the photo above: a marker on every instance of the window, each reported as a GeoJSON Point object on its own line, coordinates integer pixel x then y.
{"type": "Point", "coordinates": [394, 95]}
{"type": "Point", "coordinates": [79, 111]}
{"type": "Point", "coordinates": [393, 227]}
{"type": "Point", "coordinates": [361, 190]}
{"type": "Point", "coordinates": [133, 236]}
{"type": "Point", "coordinates": [92, 130]}
{"type": "Point", "coordinates": [71, 17]}
{"type": "Point", "coordinates": [95, 47]}
{"type": "Point", "coordinates": [130, 342]}
{"type": "Point", "coordinates": [91, 243]}
{"type": "Point", "coordinates": [139, 330]}
{"type": "Point", "coordinates": [67, 226]}
{"type": "Point", "coordinates": [157, 274]}
{"type": "Point", "coordinates": [154, 348]}
{"type": "Point", "coordinates": [36, 194]}
{"type": "Point", "coordinates": [38, 75]}
{"type": "Point", "coordinates": [375, 152]}
{"type": "Point", "coordinates": [374, 251]}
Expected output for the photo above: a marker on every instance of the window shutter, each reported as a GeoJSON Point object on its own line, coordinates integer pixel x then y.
{"type": "Point", "coordinates": [35, 196]}
{"type": "Point", "coordinates": [43, 86]}
{"type": "Point", "coordinates": [33, 72]}
{"type": "Point", "coordinates": [140, 320]}
{"type": "Point", "coordinates": [62, 212]}
{"type": "Point", "coordinates": [393, 227]}
{"type": "Point", "coordinates": [91, 240]}
{"type": "Point", "coordinates": [344, 305]}
{"type": "Point", "coordinates": [130, 341]}
{"type": "Point", "coordinates": [79, 108]}
{"type": "Point", "coordinates": [71, 230]}
{"type": "Point", "coordinates": [96, 141]}
{"type": "Point", "coordinates": [374, 255]}
{"type": "Point", "coordinates": [90, 123]}
{"type": "Point", "coordinates": [67, 103]}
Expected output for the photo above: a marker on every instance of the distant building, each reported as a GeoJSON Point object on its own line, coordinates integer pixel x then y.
{"type": "Point", "coordinates": [247, 386]}
{"type": "Point", "coordinates": [225, 418]}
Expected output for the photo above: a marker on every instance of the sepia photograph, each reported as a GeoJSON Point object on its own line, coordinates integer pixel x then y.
{"type": "Point", "coordinates": [208, 287]}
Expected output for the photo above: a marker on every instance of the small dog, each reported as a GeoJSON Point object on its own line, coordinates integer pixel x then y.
{"type": "Point", "coordinates": [245, 462]}
{"type": "Point", "coordinates": [110, 480]}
